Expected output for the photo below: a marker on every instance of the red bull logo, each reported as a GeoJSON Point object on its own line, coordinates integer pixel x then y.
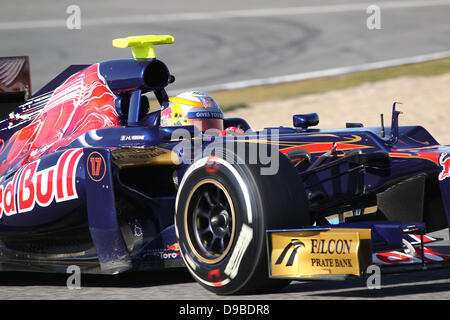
{"type": "Point", "coordinates": [208, 102]}
{"type": "Point", "coordinates": [29, 186]}
{"type": "Point", "coordinates": [171, 252]}
{"type": "Point", "coordinates": [174, 247]}
{"type": "Point", "coordinates": [96, 166]}
{"type": "Point", "coordinates": [444, 161]}
{"type": "Point", "coordinates": [166, 114]}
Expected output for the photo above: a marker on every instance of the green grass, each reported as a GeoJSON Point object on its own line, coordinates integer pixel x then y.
{"type": "Point", "coordinates": [241, 98]}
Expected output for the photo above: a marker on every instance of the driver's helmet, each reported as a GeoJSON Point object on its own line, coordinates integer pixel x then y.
{"type": "Point", "coordinates": [192, 108]}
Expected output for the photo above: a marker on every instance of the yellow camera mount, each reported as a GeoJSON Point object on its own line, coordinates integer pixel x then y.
{"type": "Point", "coordinates": [142, 46]}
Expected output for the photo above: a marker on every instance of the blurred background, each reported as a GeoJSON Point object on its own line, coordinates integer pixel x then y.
{"type": "Point", "coordinates": [243, 43]}
{"type": "Point", "coordinates": [224, 41]}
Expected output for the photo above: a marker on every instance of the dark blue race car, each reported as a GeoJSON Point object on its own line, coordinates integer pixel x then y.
{"type": "Point", "coordinates": [101, 169]}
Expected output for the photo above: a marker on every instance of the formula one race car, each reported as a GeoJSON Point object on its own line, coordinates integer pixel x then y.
{"type": "Point", "coordinates": [92, 175]}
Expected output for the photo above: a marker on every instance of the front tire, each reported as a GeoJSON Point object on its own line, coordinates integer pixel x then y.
{"type": "Point", "coordinates": [222, 212]}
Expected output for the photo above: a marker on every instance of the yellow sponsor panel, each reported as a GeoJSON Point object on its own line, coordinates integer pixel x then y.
{"type": "Point", "coordinates": [142, 157]}
{"type": "Point", "coordinates": [306, 253]}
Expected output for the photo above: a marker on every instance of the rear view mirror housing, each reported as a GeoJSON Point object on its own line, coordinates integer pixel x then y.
{"type": "Point", "coordinates": [306, 120]}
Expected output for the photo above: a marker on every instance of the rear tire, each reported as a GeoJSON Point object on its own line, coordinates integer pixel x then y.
{"type": "Point", "coordinates": [223, 210]}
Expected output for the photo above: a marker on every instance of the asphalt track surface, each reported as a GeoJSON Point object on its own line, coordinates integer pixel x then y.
{"type": "Point", "coordinates": [177, 284]}
{"type": "Point", "coordinates": [225, 41]}
{"type": "Point", "coordinates": [217, 43]}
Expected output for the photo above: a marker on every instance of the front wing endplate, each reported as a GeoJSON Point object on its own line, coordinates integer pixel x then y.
{"type": "Point", "coordinates": [318, 252]}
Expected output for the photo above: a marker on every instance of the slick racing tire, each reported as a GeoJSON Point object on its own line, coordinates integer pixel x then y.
{"type": "Point", "coordinates": [223, 209]}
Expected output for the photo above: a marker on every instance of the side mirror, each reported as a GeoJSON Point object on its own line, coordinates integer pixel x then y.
{"type": "Point", "coordinates": [305, 120]}
{"type": "Point", "coordinates": [354, 125]}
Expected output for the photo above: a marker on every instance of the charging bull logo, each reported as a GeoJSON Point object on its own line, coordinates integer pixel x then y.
{"type": "Point", "coordinates": [29, 186]}
{"type": "Point", "coordinates": [173, 115]}
{"type": "Point", "coordinates": [444, 161]}
{"type": "Point", "coordinates": [166, 114]}
{"type": "Point", "coordinates": [81, 104]}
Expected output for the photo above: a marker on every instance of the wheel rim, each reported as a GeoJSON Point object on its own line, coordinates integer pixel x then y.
{"type": "Point", "coordinates": [210, 221]}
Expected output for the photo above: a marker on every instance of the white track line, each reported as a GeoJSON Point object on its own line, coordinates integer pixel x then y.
{"type": "Point", "coordinates": [198, 16]}
{"type": "Point", "coordinates": [321, 73]}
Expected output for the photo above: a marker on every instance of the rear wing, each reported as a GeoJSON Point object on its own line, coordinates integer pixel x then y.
{"type": "Point", "coordinates": [15, 82]}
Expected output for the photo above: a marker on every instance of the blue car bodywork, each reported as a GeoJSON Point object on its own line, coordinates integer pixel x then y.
{"type": "Point", "coordinates": [105, 198]}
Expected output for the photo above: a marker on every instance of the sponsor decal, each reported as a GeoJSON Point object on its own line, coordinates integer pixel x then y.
{"type": "Point", "coordinates": [320, 247]}
{"type": "Point", "coordinates": [169, 253]}
{"type": "Point", "coordinates": [214, 274]}
{"type": "Point", "coordinates": [29, 186]}
{"type": "Point", "coordinates": [444, 161]}
{"type": "Point", "coordinates": [324, 252]}
{"type": "Point", "coordinates": [132, 138]}
{"type": "Point", "coordinates": [173, 115]}
{"type": "Point", "coordinates": [295, 245]}
{"type": "Point", "coordinates": [96, 166]}
{"type": "Point", "coordinates": [150, 155]}
{"type": "Point", "coordinates": [166, 115]}
{"type": "Point", "coordinates": [205, 114]}
{"type": "Point", "coordinates": [207, 102]}
{"type": "Point", "coordinates": [139, 154]}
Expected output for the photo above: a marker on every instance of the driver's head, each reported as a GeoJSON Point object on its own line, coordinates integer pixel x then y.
{"type": "Point", "coordinates": [193, 108]}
